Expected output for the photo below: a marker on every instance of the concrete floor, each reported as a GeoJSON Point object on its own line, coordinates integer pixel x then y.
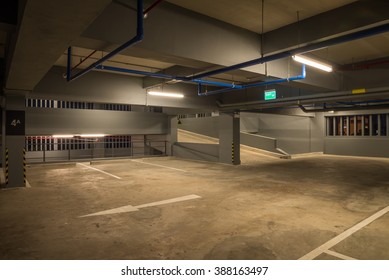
{"type": "Point", "coordinates": [267, 208]}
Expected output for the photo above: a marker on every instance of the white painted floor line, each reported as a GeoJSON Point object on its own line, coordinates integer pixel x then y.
{"type": "Point", "coordinates": [90, 167]}
{"type": "Point", "coordinates": [172, 168]}
{"type": "Point", "coordinates": [337, 239]}
{"type": "Point", "coordinates": [168, 201]}
{"type": "Point", "coordinates": [28, 184]}
{"type": "Point", "coordinates": [130, 208]}
{"type": "Point", "coordinates": [339, 255]}
{"type": "Point", "coordinates": [124, 209]}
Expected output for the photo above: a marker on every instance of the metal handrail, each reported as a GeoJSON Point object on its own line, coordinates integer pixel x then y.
{"type": "Point", "coordinates": [82, 150]}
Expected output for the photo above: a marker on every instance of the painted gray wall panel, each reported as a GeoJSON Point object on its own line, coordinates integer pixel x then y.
{"type": "Point", "coordinates": [256, 141]}
{"type": "Point", "coordinates": [206, 126]}
{"type": "Point", "coordinates": [45, 121]}
{"type": "Point", "coordinates": [229, 139]}
{"type": "Point", "coordinates": [15, 145]}
{"type": "Point", "coordinates": [171, 137]}
{"type": "Point", "coordinates": [317, 132]}
{"type": "Point", "coordinates": [373, 78]}
{"type": "Point", "coordinates": [291, 132]}
{"type": "Point", "coordinates": [207, 152]}
{"type": "Point", "coordinates": [371, 147]}
{"type": "Point", "coordinates": [249, 122]}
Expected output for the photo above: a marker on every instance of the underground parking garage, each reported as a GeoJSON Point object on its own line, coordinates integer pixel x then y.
{"type": "Point", "coordinates": [190, 130]}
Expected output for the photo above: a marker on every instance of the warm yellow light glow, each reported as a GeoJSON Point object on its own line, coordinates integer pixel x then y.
{"type": "Point", "coordinates": [63, 136]}
{"type": "Point", "coordinates": [166, 94]}
{"type": "Point", "coordinates": [92, 135]}
{"type": "Point", "coordinates": [313, 63]}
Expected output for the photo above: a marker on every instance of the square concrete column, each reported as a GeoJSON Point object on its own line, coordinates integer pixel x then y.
{"type": "Point", "coordinates": [14, 140]}
{"type": "Point", "coordinates": [171, 137]}
{"type": "Point", "coordinates": [229, 138]}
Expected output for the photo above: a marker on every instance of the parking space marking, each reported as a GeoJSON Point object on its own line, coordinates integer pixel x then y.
{"type": "Point", "coordinates": [339, 255]}
{"type": "Point", "coordinates": [90, 167]}
{"type": "Point", "coordinates": [154, 164]}
{"type": "Point", "coordinates": [168, 201]}
{"type": "Point", "coordinates": [337, 239]}
{"type": "Point", "coordinates": [130, 208]}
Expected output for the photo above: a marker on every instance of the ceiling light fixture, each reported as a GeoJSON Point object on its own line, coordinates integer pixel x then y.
{"type": "Point", "coordinates": [166, 94]}
{"type": "Point", "coordinates": [313, 63]}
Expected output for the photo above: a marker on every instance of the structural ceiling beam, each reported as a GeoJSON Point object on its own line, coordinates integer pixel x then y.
{"type": "Point", "coordinates": [46, 30]}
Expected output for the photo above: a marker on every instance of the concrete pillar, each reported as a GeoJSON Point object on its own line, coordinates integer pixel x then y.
{"type": "Point", "coordinates": [14, 141]}
{"type": "Point", "coordinates": [171, 138]}
{"type": "Point", "coordinates": [229, 138]}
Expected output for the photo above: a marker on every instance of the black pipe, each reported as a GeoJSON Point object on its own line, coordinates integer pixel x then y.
{"type": "Point", "coordinates": [348, 108]}
{"type": "Point", "coordinates": [152, 7]}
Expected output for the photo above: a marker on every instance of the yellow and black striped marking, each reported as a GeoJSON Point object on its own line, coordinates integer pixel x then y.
{"type": "Point", "coordinates": [6, 166]}
{"type": "Point", "coordinates": [24, 166]}
{"type": "Point", "coordinates": [232, 152]}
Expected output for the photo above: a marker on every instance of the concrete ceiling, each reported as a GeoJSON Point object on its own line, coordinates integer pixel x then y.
{"type": "Point", "coordinates": [46, 29]}
{"type": "Point", "coordinates": [366, 49]}
{"type": "Point", "coordinates": [79, 55]}
{"type": "Point", "coordinates": [200, 35]}
{"type": "Point", "coordinates": [248, 13]}
{"type": "Point", "coordinates": [3, 36]}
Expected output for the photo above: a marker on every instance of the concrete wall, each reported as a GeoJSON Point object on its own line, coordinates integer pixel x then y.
{"type": "Point", "coordinates": [225, 127]}
{"type": "Point", "coordinates": [361, 146]}
{"type": "Point", "coordinates": [206, 126]}
{"type": "Point", "coordinates": [259, 142]}
{"type": "Point", "coordinates": [196, 151]}
{"type": "Point", "coordinates": [294, 134]}
{"type": "Point", "coordinates": [317, 132]}
{"type": "Point", "coordinates": [47, 121]}
{"type": "Point", "coordinates": [249, 122]}
{"type": "Point", "coordinates": [372, 146]}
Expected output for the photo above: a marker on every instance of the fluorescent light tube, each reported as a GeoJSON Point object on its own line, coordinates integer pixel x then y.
{"type": "Point", "coordinates": [166, 94]}
{"type": "Point", "coordinates": [313, 63]}
{"type": "Point", "coordinates": [92, 135]}
{"type": "Point", "coordinates": [63, 136]}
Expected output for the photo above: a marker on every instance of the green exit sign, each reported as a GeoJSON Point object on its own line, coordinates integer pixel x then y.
{"type": "Point", "coordinates": [270, 94]}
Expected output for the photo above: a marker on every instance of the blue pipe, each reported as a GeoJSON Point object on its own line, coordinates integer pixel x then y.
{"type": "Point", "coordinates": [166, 76]}
{"type": "Point", "coordinates": [326, 43]}
{"type": "Point", "coordinates": [137, 72]}
{"type": "Point", "coordinates": [213, 83]}
{"type": "Point", "coordinates": [278, 81]}
{"type": "Point", "coordinates": [138, 37]}
{"type": "Point", "coordinates": [200, 82]}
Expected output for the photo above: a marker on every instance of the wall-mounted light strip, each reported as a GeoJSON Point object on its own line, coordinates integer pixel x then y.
{"type": "Point", "coordinates": [92, 135]}
{"type": "Point", "coordinates": [63, 136]}
{"type": "Point", "coordinates": [313, 63]}
{"type": "Point", "coordinates": [166, 94]}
